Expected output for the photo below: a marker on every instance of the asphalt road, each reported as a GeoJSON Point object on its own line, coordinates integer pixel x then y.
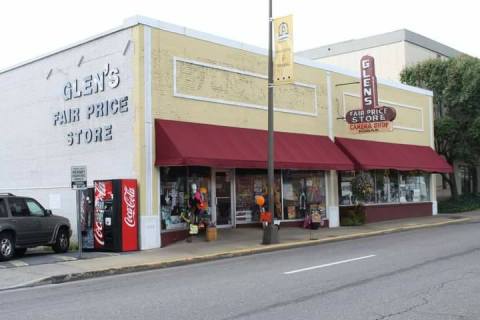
{"type": "Point", "coordinates": [422, 274]}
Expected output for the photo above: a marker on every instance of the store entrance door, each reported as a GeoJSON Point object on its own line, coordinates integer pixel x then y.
{"type": "Point", "coordinates": [223, 198]}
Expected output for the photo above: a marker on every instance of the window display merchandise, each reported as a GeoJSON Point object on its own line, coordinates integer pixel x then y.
{"type": "Point", "coordinates": [303, 193]}
{"type": "Point", "coordinates": [251, 183]}
{"type": "Point", "coordinates": [184, 196]}
{"type": "Point", "coordinates": [383, 187]}
{"type": "Point", "coordinates": [413, 187]}
{"type": "Point", "coordinates": [186, 200]}
{"type": "Point", "coordinates": [386, 186]}
{"type": "Point", "coordinates": [174, 197]}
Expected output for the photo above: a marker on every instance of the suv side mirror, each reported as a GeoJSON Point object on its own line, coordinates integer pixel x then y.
{"type": "Point", "coordinates": [48, 212]}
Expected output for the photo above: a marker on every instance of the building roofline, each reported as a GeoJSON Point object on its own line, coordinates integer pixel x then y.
{"type": "Point", "coordinates": [141, 20]}
{"type": "Point", "coordinates": [65, 48]}
{"type": "Point", "coordinates": [379, 40]}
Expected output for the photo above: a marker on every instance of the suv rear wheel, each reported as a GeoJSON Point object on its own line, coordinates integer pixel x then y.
{"type": "Point", "coordinates": [62, 242]}
{"type": "Point", "coordinates": [7, 246]}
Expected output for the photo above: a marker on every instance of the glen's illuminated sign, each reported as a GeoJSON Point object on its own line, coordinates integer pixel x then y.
{"type": "Point", "coordinates": [372, 117]}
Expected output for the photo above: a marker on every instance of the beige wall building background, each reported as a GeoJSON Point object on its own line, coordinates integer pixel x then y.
{"type": "Point", "coordinates": [393, 51]}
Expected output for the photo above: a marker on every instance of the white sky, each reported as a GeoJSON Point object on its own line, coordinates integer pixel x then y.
{"type": "Point", "coordinates": [31, 28]}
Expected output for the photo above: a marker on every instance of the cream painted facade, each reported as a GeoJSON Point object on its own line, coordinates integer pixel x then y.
{"type": "Point", "coordinates": [185, 75]}
{"type": "Point", "coordinates": [411, 126]}
{"type": "Point", "coordinates": [208, 80]}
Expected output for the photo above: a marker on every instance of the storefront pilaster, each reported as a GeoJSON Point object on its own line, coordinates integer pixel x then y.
{"type": "Point", "coordinates": [149, 218]}
{"type": "Point", "coordinates": [333, 211]}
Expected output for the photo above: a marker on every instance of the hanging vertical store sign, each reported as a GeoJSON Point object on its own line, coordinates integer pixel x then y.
{"type": "Point", "coordinates": [283, 61]}
{"type": "Point", "coordinates": [372, 117]}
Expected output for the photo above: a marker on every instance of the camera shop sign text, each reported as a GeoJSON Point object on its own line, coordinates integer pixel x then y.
{"type": "Point", "coordinates": [372, 117]}
{"type": "Point", "coordinates": [106, 79]}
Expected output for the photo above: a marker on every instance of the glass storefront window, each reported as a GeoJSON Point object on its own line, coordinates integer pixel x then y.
{"type": "Point", "coordinates": [356, 187]}
{"type": "Point", "coordinates": [174, 196]}
{"type": "Point", "coordinates": [389, 186]}
{"type": "Point", "coordinates": [176, 189]}
{"type": "Point", "coordinates": [303, 193]}
{"type": "Point", "coordinates": [386, 186]}
{"type": "Point", "coordinates": [414, 187]}
{"type": "Point", "coordinates": [248, 184]}
{"type": "Point", "coordinates": [201, 178]}
{"type": "Point", "coordinates": [345, 187]}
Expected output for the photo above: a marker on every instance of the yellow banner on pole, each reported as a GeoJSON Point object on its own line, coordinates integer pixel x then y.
{"type": "Point", "coordinates": [283, 61]}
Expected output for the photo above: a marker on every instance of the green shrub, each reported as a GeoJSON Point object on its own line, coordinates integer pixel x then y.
{"type": "Point", "coordinates": [465, 202]}
{"type": "Point", "coordinates": [352, 216]}
{"type": "Point", "coordinates": [346, 221]}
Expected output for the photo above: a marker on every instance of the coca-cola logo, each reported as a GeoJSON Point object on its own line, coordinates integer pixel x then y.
{"type": "Point", "coordinates": [129, 201]}
{"type": "Point", "coordinates": [98, 233]}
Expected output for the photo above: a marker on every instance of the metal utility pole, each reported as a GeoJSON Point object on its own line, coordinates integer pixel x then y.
{"type": "Point", "coordinates": [269, 233]}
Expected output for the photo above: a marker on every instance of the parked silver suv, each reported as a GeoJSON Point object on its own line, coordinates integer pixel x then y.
{"type": "Point", "coordinates": [24, 223]}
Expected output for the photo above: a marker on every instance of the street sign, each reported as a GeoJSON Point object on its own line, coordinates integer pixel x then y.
{"type": "Point", "coordinates": [79, 182]}
{"type": "Point", "coordinates": [79, 177]}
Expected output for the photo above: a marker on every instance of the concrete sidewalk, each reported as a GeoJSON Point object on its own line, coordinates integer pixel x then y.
{"type": "Point", "coordinates": [230, 243]}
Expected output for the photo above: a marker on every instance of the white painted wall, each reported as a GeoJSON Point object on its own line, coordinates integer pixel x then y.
{"type": "Point", "coordinates": [35, 158]}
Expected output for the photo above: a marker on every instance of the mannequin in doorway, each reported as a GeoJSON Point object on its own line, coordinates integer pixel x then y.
{"type": "Point", "coordinates": [302, 206]}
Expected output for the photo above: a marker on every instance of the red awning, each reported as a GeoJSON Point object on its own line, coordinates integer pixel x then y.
{"type": "Point", "coordinates": [185, 143]}
{"type": "Point", "coordinates": [381, 155]}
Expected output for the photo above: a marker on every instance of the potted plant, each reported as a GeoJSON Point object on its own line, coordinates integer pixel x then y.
{"type": "Point", "coordinates": [363, 189]}
{"type": "Point", "coordinates": [211, 232]}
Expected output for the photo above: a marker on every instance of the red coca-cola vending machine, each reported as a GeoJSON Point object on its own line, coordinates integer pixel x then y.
{"type": "Point", "coordinates": [115, 225]}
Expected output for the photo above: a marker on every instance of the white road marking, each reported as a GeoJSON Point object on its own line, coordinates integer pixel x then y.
{"type": "Point", "coordinates": [18, 263]}
{"type": "Point", "coordinates": [329, 264]}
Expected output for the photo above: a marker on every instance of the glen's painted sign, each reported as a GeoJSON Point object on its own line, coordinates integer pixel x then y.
{"type": "Point", "coordinates": [372, 117]}
{"type": "Point", "coordinates": [98, 113]}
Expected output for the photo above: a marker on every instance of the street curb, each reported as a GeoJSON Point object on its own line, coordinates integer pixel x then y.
{"type": "Point", "coordinates": [222, 255]}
